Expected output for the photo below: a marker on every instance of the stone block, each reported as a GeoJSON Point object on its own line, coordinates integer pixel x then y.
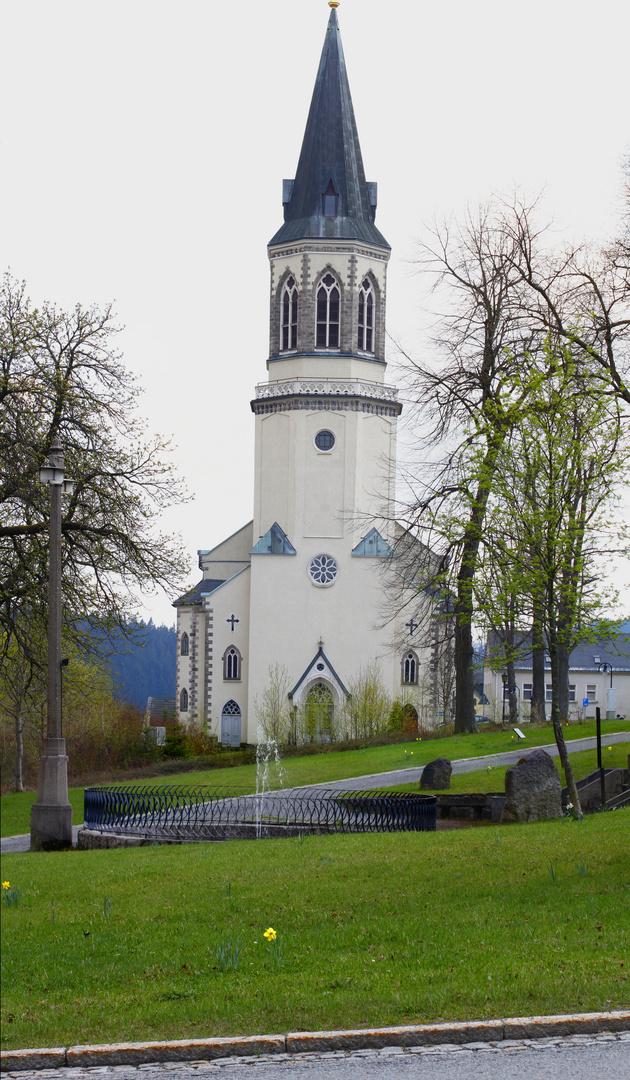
{"type": "Point", "coordinates": [533, 790]}
{"type": "Point", "coordinates": [437, 774]}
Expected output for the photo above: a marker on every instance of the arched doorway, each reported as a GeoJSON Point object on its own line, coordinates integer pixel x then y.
{"type": "Point", "coordinates": [410, 718]}
{"type": "Point", "coordinates": [231, 724]}
{"type": "Point", "coordinates": [320, 710]}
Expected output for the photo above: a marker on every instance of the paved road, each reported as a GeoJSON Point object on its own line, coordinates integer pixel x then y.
{"type": "Point", "coordinates": [577, 1057]}
{"type": "Point", "coordinates": [464, 765]}
{"type": "Point", "coordinates": [378, 780]}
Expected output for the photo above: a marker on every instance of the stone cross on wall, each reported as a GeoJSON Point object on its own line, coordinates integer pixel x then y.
{"type": "Point", "coordinates": [232, 620]}
{"type": "Point", "coordinates": [413, 626]}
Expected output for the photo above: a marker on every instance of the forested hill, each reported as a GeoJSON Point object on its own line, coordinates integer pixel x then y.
{"type": "Point", "coordinates": [145, 666]}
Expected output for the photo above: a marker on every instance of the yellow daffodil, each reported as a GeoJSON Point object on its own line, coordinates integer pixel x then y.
{"type": "Point", "coordinates": [5, 885]}
{"type": "Point", "coordinates": [270, 934]}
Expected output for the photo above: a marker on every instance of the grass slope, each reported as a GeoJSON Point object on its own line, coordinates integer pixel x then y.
{"type": "Point", "coordinates": [378, 929]}
{"type": "Point", "coordinates": [319, 768]}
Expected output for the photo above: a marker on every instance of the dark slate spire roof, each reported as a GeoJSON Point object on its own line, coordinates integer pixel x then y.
{"type": "Point", "coordinates": [330, 152]}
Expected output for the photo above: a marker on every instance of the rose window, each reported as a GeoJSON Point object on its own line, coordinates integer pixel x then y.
{"type": "Point", "coordinates": [322, 570]}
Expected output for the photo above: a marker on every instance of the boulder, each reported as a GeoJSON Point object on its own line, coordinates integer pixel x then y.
{"type": "Point", "coordinates": [533, 791]}
{"type": "Point", "coordinates": [437, 774]}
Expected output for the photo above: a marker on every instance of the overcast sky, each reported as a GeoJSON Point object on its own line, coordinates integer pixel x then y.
{"type": "Point", "coordinates": [143, 146]}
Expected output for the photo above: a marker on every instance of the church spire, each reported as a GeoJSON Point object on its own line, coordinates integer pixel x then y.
{"type": "Point", "coordinates": [330, 197]}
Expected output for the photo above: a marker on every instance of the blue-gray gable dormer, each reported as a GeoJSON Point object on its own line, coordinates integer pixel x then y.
{"type": "Point", "coordinates": [274, 542]}
{"type": "Point", "coordinates": [373, 546]}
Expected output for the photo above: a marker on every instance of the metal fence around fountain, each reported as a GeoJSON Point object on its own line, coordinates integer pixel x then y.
{"type": "Point", "coordinates": [189, 814]}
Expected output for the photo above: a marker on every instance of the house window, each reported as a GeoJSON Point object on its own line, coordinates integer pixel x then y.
{"type": "Point", "coordinates": [366, 317]}
{"type": "Point", "coordinates": [330, 201]}
{"type": "Point", "coordinates": [527, 691]}
{"type": "Point", "coordinates": [232, 664]}
{"type": "Point", "coordinates": [183, 701]}
{"type": "Point", "coordinates": [410, 668]}
{"type": "Point", "coordinates": [591, 692]}
{"type": "Point", "coordinates": [548, 692]}
{"type": "Point", "coordinates": [183, 646]}
{"type": "Point", "coordinates": [571, 691]}
{"type": "Point", "coordinates": [328, 297]}
{"type": "Point", "coordinates": [289, 315]}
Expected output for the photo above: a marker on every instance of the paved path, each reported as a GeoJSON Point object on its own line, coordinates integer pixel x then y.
{"type": "Point", "coordinates": [386, 779]}
{"type": "Point", "coordinates": [574, 1057]}
{"type": "Point", "coordinates": [464, 765]}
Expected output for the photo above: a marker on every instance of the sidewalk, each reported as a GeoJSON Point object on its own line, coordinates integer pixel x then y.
{"type": "Point", "coordinates": [308, 1042]}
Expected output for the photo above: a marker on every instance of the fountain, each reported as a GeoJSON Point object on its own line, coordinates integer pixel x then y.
{"type": "Point", "coordinates": [269, 773]}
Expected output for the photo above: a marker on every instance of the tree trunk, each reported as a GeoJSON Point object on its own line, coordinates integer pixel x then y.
{"type": "Point", "coordinates": [464, 677]}
{"type": "Point", "coordinates": [563, 683]}
{"type": "Point", "coordinates": [512, 698]}
{"type": "Point", "coordinates": [537, 711]}
{"type": "Point", "coordinates": [574, 798]}
{"type": "Point", "coordinates": [19, 749]}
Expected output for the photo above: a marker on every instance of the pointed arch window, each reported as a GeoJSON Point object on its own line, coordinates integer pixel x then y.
{"type": "Point", "coordinates": [367, 307]}
{"type": "Point", "coordinates": [328, 300]}
{"type": "Point", "coordinates": [183, 701]}
{"type": "Point", "coordinates": [232, 664]}
{"type": "Point", "coordinates": [410, 667]}
{"type": "Point", "coordinates": [289, 315]}
{"type": "Point", "coordinates": [183, 644]}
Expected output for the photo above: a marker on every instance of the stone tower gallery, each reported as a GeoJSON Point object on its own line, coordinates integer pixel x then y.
{"type": "Point", "coordinates": [302, 586]}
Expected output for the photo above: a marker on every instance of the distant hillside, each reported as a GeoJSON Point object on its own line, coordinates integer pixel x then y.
{"type": "Point", "coordinates": [146, 666]}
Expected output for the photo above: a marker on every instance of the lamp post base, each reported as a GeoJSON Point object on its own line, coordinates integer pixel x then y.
{"type": "Point", "coordinates": [51, 814]}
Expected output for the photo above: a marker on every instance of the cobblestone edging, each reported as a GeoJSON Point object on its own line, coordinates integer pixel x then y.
{"type": "Point", "coordinates": [473, 1035]}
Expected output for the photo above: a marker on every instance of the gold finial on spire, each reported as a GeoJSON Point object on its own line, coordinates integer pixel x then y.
{"type": "Point", "coordinates": [333, 3]}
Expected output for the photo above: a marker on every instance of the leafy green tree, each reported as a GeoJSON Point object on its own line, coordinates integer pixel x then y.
{"type": "Point", "coordinates": [273, 709]}
{"type": "Point", "coordinates": [60, 376]}
{"type": "Point", "coordinates": [553, 520]}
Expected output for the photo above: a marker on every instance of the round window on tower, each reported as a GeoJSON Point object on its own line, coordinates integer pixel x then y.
{"type": "Point", "coordinates": [324, 440]}
{"type": "Point", "coordinates": [322, 570]}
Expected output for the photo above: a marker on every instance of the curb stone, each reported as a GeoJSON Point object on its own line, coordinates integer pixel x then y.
{"type": "Point", "coordinates": [317, 1042]}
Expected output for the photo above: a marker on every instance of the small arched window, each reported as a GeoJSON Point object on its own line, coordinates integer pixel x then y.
{"type": "Point", "coordinates": [183, 645]}
{"type": "Point", "coordinates": [410, 668]}
{"type": "Point", "coordinates": [366, 316]}
{"type": "Point", "coordinates": [183, 701]}
{"type": "Point", "coordinates": [231, 664]}
{"type": "Point", "coordinates": [328, 299]}
{"type": "Point", "coordinates": [289, 315]}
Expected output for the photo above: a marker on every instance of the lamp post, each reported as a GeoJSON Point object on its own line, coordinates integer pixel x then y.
{"type": "Point", "coordinates": [51, 814]}
{"type": "Point", "coordinates": [611, 709]}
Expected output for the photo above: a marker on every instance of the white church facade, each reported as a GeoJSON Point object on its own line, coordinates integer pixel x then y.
{"type": "Point", "coordinates": [304, 585]}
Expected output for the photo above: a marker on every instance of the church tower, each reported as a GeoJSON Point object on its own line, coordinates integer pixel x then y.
{"type": "Point", "coordinates": [300, 590]}
{"type": "Point", "coordinates": [325, 419]}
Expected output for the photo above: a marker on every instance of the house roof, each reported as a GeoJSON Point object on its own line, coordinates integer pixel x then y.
{"type": "Point", "coordinates": [584, 657]}
{"type": "Point", "coordinates": [196, 594]}
{"type": "Point", "coordinates": [331, 154]}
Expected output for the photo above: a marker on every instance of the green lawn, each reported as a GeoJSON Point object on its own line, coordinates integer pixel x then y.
{"type": "Point", "coordinates": [583, 762]}
{"type": "Point", "coordinates": [377, 929]}
{"type": "Point", "coordinates": [318, 768]}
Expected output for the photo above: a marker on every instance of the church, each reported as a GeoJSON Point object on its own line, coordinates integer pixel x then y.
{"type": "Point", "coordinates": [295, 602]}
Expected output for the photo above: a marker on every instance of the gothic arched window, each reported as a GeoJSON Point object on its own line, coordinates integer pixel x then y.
{"type": "Point", "coordinates": [231, 664]}
{"type": "Point", "coordinates": [183, 701]}
{"type": "Point", "coordinates": [183, 645]}
{"type": "Point", "coordinates": [328, 298]}
{"type": "Point", "coordinates": [289, 315]}
{"type": "Point", "coordinates": [410, 668]}
{"type": "Point", "coordinates": [366, 316]}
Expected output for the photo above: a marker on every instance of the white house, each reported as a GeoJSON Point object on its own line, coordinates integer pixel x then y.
{"type": "Point", "coordinates": [599, 676]}
{"type": "Point", "coordinates": [304, 583]}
